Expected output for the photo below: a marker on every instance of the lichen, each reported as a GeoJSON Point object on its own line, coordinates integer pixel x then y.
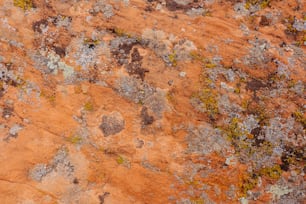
{"type": "Point", "coordinates": [75, 139]}
{"type": "Point", "coordinates": [273, 172]}
{"type": "Point", "coordinates": [249, 182]}
{"type": "Point", "coordinates": [300, 117]}
{"type": "Point", "coordinates": [24, 4]}
{"type": "Point", "coordinates": [261, 3]}
{"type": "Point", "coordinates": [172, 59]}
{"type": "Point", "coordinates": [88, 106]}
{"type": "Point", "coordinates": [234, 131]}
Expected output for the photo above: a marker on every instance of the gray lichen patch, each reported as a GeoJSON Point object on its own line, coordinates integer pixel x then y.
{"type": "Point", "coordinates": [157, 103]}
{"type": "Point", "coordinates": [55, 64]}
{"type": "Point", "coordinates": [205, 139]}
{"type": "Point", "coordinates": [39, 171]}
{"type": "Point", "coordinates": [15, 129]}
{"type": "Point", "coordinates": [101, 6]}
{"type": "Point", "coordinates": [167, 46]}
{"type": "Point", "coordinates": [134, 89]}
{"type": "Point", "coordinates": [112, 124]}
{"type": "Point", "coordinates": [60, 164]}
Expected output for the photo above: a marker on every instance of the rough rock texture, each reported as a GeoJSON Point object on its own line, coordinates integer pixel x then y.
{"type": "Point", "coordinates": [175, 101]}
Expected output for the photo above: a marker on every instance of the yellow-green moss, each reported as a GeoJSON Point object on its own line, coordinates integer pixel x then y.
{"type": "Point", "coordinates": [88, 106]}
{"type": "Point", "coordinates": [233, 130]}
{"type": "Point", "coordinates": [88, 41]}
{"type": "Point", "coordinates": [237, 89]}
{"type": "Point", "coordinates": [121, 33]}
{"type": "Point", "coordinates": [172, 59]}
{"type": "Point", "coordinates": [209, 99]}
{"type": "Point", "coordinates": [299, 117]}
{"type": "Point", "coordinates": [170, 96]}
{"type": "Point", "coordinates": [120, 160]}
{"type": "Point", "coordinates": [262, 3]}
{"type": "Point", "coordinates": [210, 65]}
{"type": "Point", "coordinates": [249, 182]}
{"type": "Point", "coordinates": [291, 83]}
{"type": "Point", "coordinates": [24, 4]}
{"type": "Point", "coordinates": [302, 41]}
{"type": "Point", "coordinates": [197, 201]}
{"type": "Point", "coordinates": [192, 182]}
{"type": "Point", "coordinates": [273, 172]}
{"type": "Point", "coordinates": [75, 139]}
{"type": "Point", "coordinates": [196, 56]}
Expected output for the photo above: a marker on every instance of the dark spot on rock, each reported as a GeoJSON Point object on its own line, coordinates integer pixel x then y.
{"type": "Point", "coordinates": [121, 48]}
{"type": "Point", "coordinates": [292, 155]}
{"type": "Point", "coordinates": [93, 74]}
{"type": "Point", "coordinates": [258, 136]}
{"type": "Point", "coordinates": [36, 26]}
{"type": "Point", "coordinates": [136, 56]}
{"type": "Point", "coordinates": [56, 19]}
{"type": "Point", "coordinates": [283, 44]}
{"type": "Point", "coordinates": [146, 119]}
{"type": "Point", "coordinates": [255, 85]}
{"type": "Point", "coordinates": [75, 181]}
{"type": "Point", "coordinates": [60, 51]}
{"type": "Point", "coordinates": [112, 124]}
{"type": "Point", "coordinates": [91, 46]}
{"type": "Point", "coordinates": [102, 197]}
{"type": "Point", "coordinates": [149, 8]}
{"type": "Point", "coordinates": [172, 5]}
{"type": "Point", "coordinates": [7, 111]}
{"type": "Point", "coordinates": [139, 143]}
{"type": "Point", "coordinates": [264, 21]}
{"type": "Point", "coordinates": [134, 67]}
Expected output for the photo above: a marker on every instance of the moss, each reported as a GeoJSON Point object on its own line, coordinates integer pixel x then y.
{"type": "Point", "coordinates": [233, 130]}
{"type": "Point", "coordinates": [273, 172]}
{"type": "Point", "coordinates": [197, 201]}
{"type": "Point", "coordinates": [262, 3]}
{"type": "Point", "coordinates": [88, 41]}
{"type": "Point", "coordinates": [258, 110]}
{"type": "Point", "coordinates": [75, 139]}
{"type": "Point", "coordinates": [210, 65]}
{"type": "Point", "coordinates": [24, 4]}
{"type": "Point", "coordinates": [207, 63]}
{"type": "Point", "coordinates": [248, 183]}
{"type": "Point", "coordinates": [120, 160]}
{"type": "Point", "coordinates": [237, 89]}
{"type": "Point", "coordinates": [173, 59]}
{"type": "Point", "coordinates": [121, 33]}
{"type": "Point", "coordinates": [299, 117]}
{"type": "Point", "coordinates": [302, 41]}
{"type": "Point", "coordinates": [170, 96]}
{"type": "Point", "coordinates": [88, 106]}
{"type": "Point", "coordinates": [78, 89]}
{"type": "Point", "coordinates": [291, 83]}
{"type": "Point", "coordinates": [50, 97]}
{"type": "Point", "coordinates": [292, 156]}
{"type": "Point", "coordinates": [196, 56]}
{"type": "Point", "coordinates": [192, 182]}
{"type": "Point", "coordinates": [209, 99]}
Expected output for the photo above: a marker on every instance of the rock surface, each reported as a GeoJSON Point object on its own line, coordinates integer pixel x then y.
{"type": "Point", "coordinates": [174, 101]}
